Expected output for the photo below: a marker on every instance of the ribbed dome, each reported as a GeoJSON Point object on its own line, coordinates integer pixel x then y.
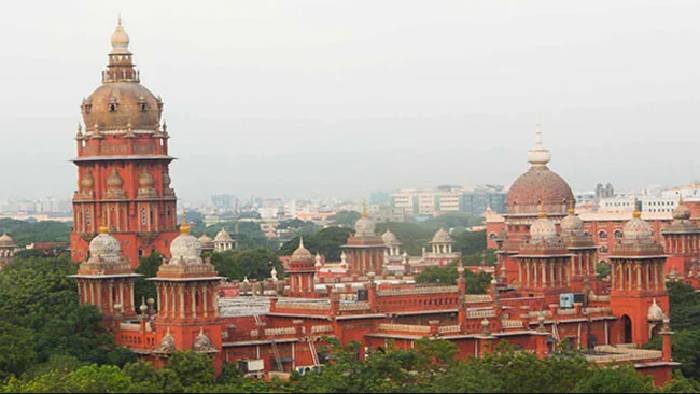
{"type": "Point", "coordinates": [539, 185]}
{"type": "Point", "coordinates": [301, 253]}
{"type": "Point", "coordinates": [7, 242]}
{"type": "Point", "coordinates": [571, 222]}
{"type": "Point", "coordinates": [122, 106]}
{"type": "Point", "coordinates": [637, 229]}
{"type": "Point", "coordinates": [121, 102]}
{"type": "Point", "coordinates": [681, 212]}
{"type": "Point", "coordinates": [654, 313]}
{"type": "Point", "coordinates": [389, 238]}
{"type": "Point", "coordinates": [104, 245]}
{"type": "Point", "coordinates": [185, 248]}
{"type": "Point", "coordinates": [364, 227]}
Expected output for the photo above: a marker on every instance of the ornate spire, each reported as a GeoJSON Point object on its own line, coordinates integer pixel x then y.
{"type": "Point", "coordinates": [538, 156]}
{"type": "Point", "coordinates": [184, 227]}
{"type": "Point", "coordinates": [120, 68]}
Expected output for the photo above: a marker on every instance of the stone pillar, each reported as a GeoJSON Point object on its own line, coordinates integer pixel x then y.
{"type": "Point", "coordinates": [666, 341]}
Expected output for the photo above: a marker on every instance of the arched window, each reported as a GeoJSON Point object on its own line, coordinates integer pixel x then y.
{"type": "Point", "coordinates": [618, 233]}
{"type": "Point", "coordinates": [602, 234]}
{"type": "Point", "coordinates": [603, 249]}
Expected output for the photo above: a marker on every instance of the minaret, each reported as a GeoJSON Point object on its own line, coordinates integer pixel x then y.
{"type": "Point", "coordinates": [638, 285]}
{"type": "Point", "coordinates": [106, 279]}
{"type": "Point", "coordinates": [122, 159]}
{"type": "Point", "coordinates": [187, 301]}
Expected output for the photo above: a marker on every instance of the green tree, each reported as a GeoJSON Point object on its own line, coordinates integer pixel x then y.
{"type": "Point", "coordinates": [617, 379]}
{"type": "Point", "coordinates": [250, 263]}
{"type": "Point", "coordinates": [326, 242]}
{"type": "Point", "coordinates": [16, 349]}
{"type": "Point", "coordinates": [148, 267]}
{"type": "Point", "coordinates": [24, 232]}
{"type": "Point", "coordinates": [192, 368]}
{"type": "Point", "coordinates": [347, 218]}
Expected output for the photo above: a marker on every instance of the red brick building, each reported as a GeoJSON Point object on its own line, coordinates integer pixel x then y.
{"type": "Point", "coordinates": [545, 294]}
{"type": "Point", "coordinates": [122, 159]}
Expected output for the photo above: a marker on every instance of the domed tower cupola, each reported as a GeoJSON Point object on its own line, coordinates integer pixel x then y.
{"type": "Point", "coordinates": [301, 271]}
{"type": "Point", "coordinates": [538, 186]}
{"type": "Point", "coordinates": [121, 103]}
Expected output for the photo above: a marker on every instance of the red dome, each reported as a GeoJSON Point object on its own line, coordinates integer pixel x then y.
{"type": "Point", "coordinates": [539, 185]}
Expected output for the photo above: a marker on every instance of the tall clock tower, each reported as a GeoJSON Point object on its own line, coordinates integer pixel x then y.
{"type": "Point", "coordinates": [122, 159]}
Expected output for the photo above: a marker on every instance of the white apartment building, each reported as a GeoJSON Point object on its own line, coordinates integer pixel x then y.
{"type": "Point", "coordinates": [428, 201]}
{"type": "Point", "coordinates": [649, 204]}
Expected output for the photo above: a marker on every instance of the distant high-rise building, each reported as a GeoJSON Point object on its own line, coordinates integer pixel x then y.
{"type": "Point", "coordinates": [224, 202]}
{"type": "Point", "coordinates": [606, 191]}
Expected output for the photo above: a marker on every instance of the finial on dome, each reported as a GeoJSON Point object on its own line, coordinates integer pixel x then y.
{"type": "Point", "coordinates": [184, 227]}
{"type": "Point", "coordinates": [301, 242]}
{"type": "Point", "coordinates": [104, 229]}
{"type": "Point", "coordinates": [364, 210]}
{"type": "Point", "coordinates": [120, 40]}
{"type": "Point", "coordinates": [541, 214]}
{"type": "Point", "coordinates": [636, 214]}
{"type": "Point", "coordinates": [538, 155]}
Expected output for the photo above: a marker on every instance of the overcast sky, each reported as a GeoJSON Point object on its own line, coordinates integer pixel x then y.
{"type": "Point", "coordinates": [340, 98]}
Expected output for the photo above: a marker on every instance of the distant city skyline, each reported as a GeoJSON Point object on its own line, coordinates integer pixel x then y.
{"type": "Point", "coordinates": [319, 99]}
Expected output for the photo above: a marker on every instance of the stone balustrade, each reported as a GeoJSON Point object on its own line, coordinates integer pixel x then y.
{"type": "Point", "coordinates": [410, 328]}
{"type": "Point", "coordinates": [321, 329]}
{"type": "Point", "coordinates": [481, 314]}
{"type": "Point", "coordinates": [449, 329]}
{"type": "Point", "coordinates": [419, 290]}
{"type": "Point", "coordinates": [477, 298]}
{"type": "Point", "coordinates": [613, 354]}
{"type": "Point", "coordinates": [604, 309]}
{"type": "Point", "coordinates": [566, 312]}
{"type": "Point", "coordinates": [134, 327]}
{"type": "Point", "coordinates": [273, 332]}
{"type": "Point", "coordinates": [512, 323]}
{"type": "Point", "coordinates": [357, 306]}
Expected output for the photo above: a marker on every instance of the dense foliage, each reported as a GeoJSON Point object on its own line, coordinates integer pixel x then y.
{"type": "Point", "coordinates": [477, 283]}
{"type": "Point", "coordinates": [40, 318]}
{"type": "Point", "coordinates": [685, 322]}
{"type": "Point", "coordinates": [250, 263]}
{"type": "Point", "coordinates": [429, 368]}
{"type": "Point", "coordinates": [326, 242]}
{"type": "Point", "coordinates": [26, 232]}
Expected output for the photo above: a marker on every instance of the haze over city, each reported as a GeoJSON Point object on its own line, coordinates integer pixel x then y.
{"type": "Point", "coordinates": [312, 98]}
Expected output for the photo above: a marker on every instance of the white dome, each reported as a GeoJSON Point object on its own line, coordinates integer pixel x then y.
{"type": "Point", "coordinates": [389, 238]}
{"type": "Point", "coordinates": [364, 227]}
{"type": "Point", "coordinates": [543, 228]}
{"type": "Point", "coordinates": [654, 313]}
{"type": "Point", "coordinates": [104, 245]}
{"type": "Point", "coordinates": [571, 222]}
{"type": "Point", "coordinates": [222, 236]}
{"type": "Point", "coordinates": [637, 228]}
{"type": "Point", "coordinates": [185, 249]}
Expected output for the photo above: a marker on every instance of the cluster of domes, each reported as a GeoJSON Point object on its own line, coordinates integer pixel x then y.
{"type": "Point", "coordinates": [105, 255]}
{"type": "Point", "coordinates": [638, 239]}
{"type": "Point", "coordinates": [539, 186]}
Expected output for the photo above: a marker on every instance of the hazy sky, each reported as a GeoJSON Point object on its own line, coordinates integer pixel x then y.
{"type": "Point", "coordinates": [294, 98]}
